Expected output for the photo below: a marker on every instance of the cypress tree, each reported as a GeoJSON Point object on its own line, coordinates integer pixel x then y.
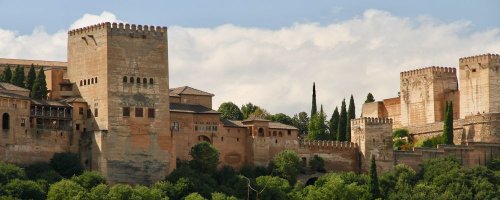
{"type": "Point", "coordinates": [31, 78]}
{"type": "Point", "coordinates": [334, 123]}
{"type": "Point", "coordinates": [312, 127]}
{"type": "Point", "coordinates": [18, 77]}
{"type": "Point", "coordinates": [351, 114]}
{"type": "Point", "coordinates": [341, 134]}
{"type": "Point", "coordinates": [39, 90]}
{"type": "Point", "coordinates": [321, 124]}
{"type": "Point", "coordinates": [314, 109]}
{"type": "Point", "coordinates": [369, 98]}
{"type": "Point", "coordinates": [448, 124]}
{"type": "Point", "coordinates": [7, 74]}
{"type": "Point", "coordinates": [374, 187]}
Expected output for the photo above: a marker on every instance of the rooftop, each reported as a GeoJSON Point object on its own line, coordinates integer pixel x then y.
{"type": "Point", "coordinates": [188, 91]}
{"type": "Point", "coordinates": [188, 108]}
{"type": "Point", "coordinates": [10, 87]}
{"type": "Point", "coordinates": [44, 63]}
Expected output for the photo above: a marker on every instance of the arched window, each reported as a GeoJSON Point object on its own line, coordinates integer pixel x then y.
{"type": "Point", "coordinates": [144, 81]}
{"type": "Point", "coordinates": [81, 82]}
{"type": "Point", "coordinates": [138, 80]}
{"type": "Point", "coordinates": [261, 132]}
{"type": "Point", "coordinates": [124, 79]}
{"type": "Point", "coordinates": [151, 81]}
{"type": "Point", "coordinates": [84, 82]}
{"type": "Point", "coordinates": [95, 79]}
{"type": "Point", "coordinates": [5, 121]}
{"type": "Point", "coordinates": [131, 79]}
{"type": "Point", "coordinates": [92, 80]}
{"type": "Point", "coordinates": [88, 81]}
{"type": "Point", "coordinates": [280, 134]}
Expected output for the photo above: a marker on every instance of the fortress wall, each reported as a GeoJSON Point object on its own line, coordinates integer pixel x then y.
{"type": "Point", "coordinates": [425, 131]}
{"type": "Point", "coordinates": [373, 109]}
{"type": "Point", "coordinates": [338, 156]}
{"type": "Point", "coordinates": [231, 143]}
{"type": "Point", "coordinates": [393, 110]}
{"type": "Point", "coordinates": [482, 128]}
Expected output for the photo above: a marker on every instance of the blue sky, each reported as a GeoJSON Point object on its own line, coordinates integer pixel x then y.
{"type": "Point", "coordinates": [270, 52]}
{"type": "Point", "coordinates": [57, 14]}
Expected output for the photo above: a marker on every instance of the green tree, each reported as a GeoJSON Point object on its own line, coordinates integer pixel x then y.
{"type": "Point", "coordinates": [39, 90]}
{"type": "Point", "coordinates": [317, 164]}
{"type": "Point", "coordinates": [205, 157]}
{"type": "Point", "coordinates": [317, 126]}
{"type": "Point", "coordinates": [120, 192]}
{"type": "Point", "coordinates": [143, 192]}
{"type": "Point", "coordinates": [43, 171]}
{"type": "Point", "coordinates": [89, 179]}
{"type": "Point", "coordinates": [282, 118]}
{"type": "Point", "coordinates": [288, 165]}
{"type": "Point", "coordinates": [448, 124]}
{"type": "Point", "coordinates": [351, 114]}
{"type": "Point", "coordinates": [7, 74]}
{"type": "Point", "coordinates": [341, 129]}
{"type": "Point", "coordinates": [230, 111]}
{"type": "Point", "coordinates": [301, 122]}
{"type": "Point", "coordinates": [67, 164]}
{"type": "Point", "coordinates": [222, 196]}
{"type": "Point", "coordinates": [333, 124]}
{"type": "Point", "coordinates": [314, 109]}
{"type": "Point", "coordinates": [194, 196]}
{"type": "Point", "coordinates": [30, 81]}
{"type": "Point", "coordinates": [99, 192]}
{"type": "Point", "coordinates": [369, 98]}
{"type": "Point", "coordinates": [248, 109]}
{"type": "Point", "coordinates": [10, 172]}
{"type": "Point", "coordinates": [272, 187]}
{"type": "Point", "coordinates": [18, 77]}
{"type": "Point", "coordinates": [24, 189]}
{"type": "Point", "coordinates": [374, 185]}
{"type": "Point", "coordinates": [66, 189]}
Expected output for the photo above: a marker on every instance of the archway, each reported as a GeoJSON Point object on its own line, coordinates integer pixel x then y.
{"type": "Point", "coordinates": [5, 121]}
{"type": "Point", "coordinates": [311, 181]}
{"type": "Point", "coordinates": [261, 132]}
{"type": "Point", "coordinates": [204, 138]}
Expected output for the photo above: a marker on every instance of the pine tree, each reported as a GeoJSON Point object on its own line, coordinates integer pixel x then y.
{"type": "Point", "coordinates": [341, 129]}
{"type": "Point", "coordinates": [7, 74]}
{"type": "Point", "coordinates": [334, 123]}
{"type": "Point", "coordinates": [374, 187]}
{"type": "Point", "coordinates": [448, 124]}
{"type": "Point", "coordinates": [18, 77]}
{"type": "Point", "coordinates": [31, 78]}
{"type": "Point", "coordinates": [321, 124]}
{"type": "Point", "coordinates": [351, 114]}
{"type": "Point", "coordinates": [39, 90]}
{"type": "Point", "coordinates": [314, 109]}
{"type": "Point", "coordinates": [369, 98]}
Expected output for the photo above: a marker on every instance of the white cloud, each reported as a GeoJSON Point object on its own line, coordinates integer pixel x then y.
{"type": "Point", "coordinates": [275, 68]}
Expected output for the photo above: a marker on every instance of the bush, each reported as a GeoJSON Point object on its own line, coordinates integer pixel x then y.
{"type": "Point", "coordinates": [398, 144]}
{"type": "Point", "coordinates": [430, 142]}
{"type": "Point", "coordinates": [317, 164]}
{"type": "Point", "coordinates": [10, 172]}
{"type": "Point", "coordinates": [194, 196]}
{"type": "Point", "coordinates": [89, 179]}
{"type": "Point", "coordinates": [42, 171]}
{"type": "Point", "coordinates": [67, 164]}
{"type": "Point", "coordinates": [494, 164]}
{"type": "Point", "coordinates": [66, 189]}
{"type": "Point", "coordinates": [24, 189]}
{"type": "Point", "coordinates": [99, 192]}
{"type": "Point", "coordinates": [399, 133]}
{"type": "Point", "coordinates": [120, 191]}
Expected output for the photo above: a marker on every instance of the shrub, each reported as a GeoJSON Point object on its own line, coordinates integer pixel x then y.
{"type": "Point", "coordinates": [67, 164]}
{"type": "Point", "coordinates": [66, 189]}
{"type": "Point", "coordinates": [24, 189]}
{"type": "Point", "coordinates": [10, 172]}
{"type": "Point", "coordinates": [317, 164]}
{"type": "Point", "coordinates": [89, 179]}
{"type": "Point", "coordinates": [43, 171]}
{"type": "Point", "coordinates": [399, 133]}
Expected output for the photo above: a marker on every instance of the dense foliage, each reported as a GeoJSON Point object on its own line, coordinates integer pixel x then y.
{"type": "Point", "coordinates": [351, 114]}
{"type": "Point", "coordinates": [341, 128]}
{"type": "Point", "coordinates": [230, 111]}
{"type": "Point", "coordinates": [369, 98]}
{"type": "Point", "coordinates": [39, 90]}
{"type": "Point", "coordinates": [448, 124]}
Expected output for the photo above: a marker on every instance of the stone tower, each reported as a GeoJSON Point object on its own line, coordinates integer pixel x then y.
{"type": "Point", "coordinates": [479, 84]}
{"type": "Point", "coordinates": [424, 93]}
{"type": "Point", "coordinates": [374, 138]}
{"type": "Point", "coordinates": [121, 71]}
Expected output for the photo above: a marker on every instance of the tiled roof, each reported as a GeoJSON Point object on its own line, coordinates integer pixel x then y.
{"type": "Point", "coordinates": [45, 63]}
{"type": "Point", "coordinates": [232, 123]}
{"type": "Point", "coordinates": [49, 103]}
{"type": "Point", "coordinates": [177, 107]}
{"type": "Point", "coordinates": [255, 118]}
{"type": "Point", "coordinates": [189, 91]}
{"type": "Point", "coordinates": [7, 94]}
{"type": "Point", "coordinates": [277, 125]}
{"type": "Point", "coordinates": [73, 99]}
{"type": "Point", "coordinates": [8, 86]}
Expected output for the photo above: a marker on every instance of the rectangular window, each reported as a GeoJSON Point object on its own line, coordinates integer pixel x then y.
{"type": "Point", "coordinates": [23, 122]}
{"type": "Point", "coordinates": [139, 112]}
{"type": "Point", "coordinates": [175, 126]}
{"type": "Point", "coordinates": [126, 111]}
{"type": "Point", "coordinates": [77, 127]}
{"type": "Point", "coordinates": [80, 111]}
{"type": "Point", "coordinates": [151, 113]}
{"type": "Point", "coordinates": [96, 112]}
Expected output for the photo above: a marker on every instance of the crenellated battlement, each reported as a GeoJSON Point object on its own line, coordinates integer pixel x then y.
{"type": "Point", "coordinates": [429, 70]}
{"type": "Point", "coordinates": [480, 58]}
{"type": "Point", "coordinates": [371, 120]}
{"type": "Point", "coordinates": [121, 28]}
{"type": "Point", "coordinates": [327, 144]}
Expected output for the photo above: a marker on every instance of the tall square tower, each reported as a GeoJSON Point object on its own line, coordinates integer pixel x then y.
{"type": "Point", "coordinates": [479, 84]}
{"type": "Point", "coordinates": [121, 71]}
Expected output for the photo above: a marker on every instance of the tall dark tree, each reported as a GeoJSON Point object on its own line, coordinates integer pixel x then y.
{"type": "Point", "coordinates": [18, 77]}
{"type": "Point", "coordinates": [334, 123]}
{"type": "Point", "coordinates": [301, 122]}
{"type": "Point", "coordinates": [7, 74]}
{"type": "Point", "coordinates": [374, 185]}
{"type": "Point", "coordinates": [448, 124]}
{"type": "Point", "coordinates": [39, 90]}
{"type": "Point", "coordinates": [369, 98]}
{"type": "Point", "coordinates": [314, 109]}
{"type": "Point", "coordinates": [322, 126]}
{"type": "Point", "coordinates": [230, 111]}
{"type": "Point", "coordinates": [30, 81]}
{"type": "Point", "coordinates": [341, 129]}
{"type": "Point", "coordinates": [351, 114]}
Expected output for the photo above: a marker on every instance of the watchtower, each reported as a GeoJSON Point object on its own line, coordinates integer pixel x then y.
{"type": "Point", "coordinates": [479, 84]}
{"type": "Point", "coordinates": [121, 71]}
{"type": "Point", "coordinates": [374, 138]}
{"type": "Point", "coordinates": [424, 93]}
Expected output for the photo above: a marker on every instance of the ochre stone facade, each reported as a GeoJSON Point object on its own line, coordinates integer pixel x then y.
{"type": "Point", "coordinates": [111, 103]}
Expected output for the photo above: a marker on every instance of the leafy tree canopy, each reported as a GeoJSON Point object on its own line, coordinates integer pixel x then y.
{"type": "Point", "coordinates": [230, 111]}
{"type": "Point", "coordinates": [205, 157]}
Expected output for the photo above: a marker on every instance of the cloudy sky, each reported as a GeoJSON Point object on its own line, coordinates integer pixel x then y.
{"type": "Point", "coordinates": [271, 53]}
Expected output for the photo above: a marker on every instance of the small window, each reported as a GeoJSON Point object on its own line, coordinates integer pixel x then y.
{"type": "Point", "coordinates": [96, 112]}
{"type": "Point", "coordinates": [280, 134]}
{"type": "Point", "coordinates": [126, 111]}
{"type": "Point", "coordinates": [84, 82]}
{"type": "Point", "coordinates": [138, 80]}
{"type": "Point", "coordinates": [237, 139]}
{"type": "Point", "coordinates": [124, 79]}
{"type": "Point", "coordinates": [473, 70]}
{"type": "Point", "coordinates": [5, 121]}
{"type": "Point", "coordinates": [23, 122]}
{"type": "Point", "coordinates": [151, 81]}
{"type": "Point", "coordinates": [151, 113]}
{"type": "Point", "coordinates": [174, 126]}
{"type": "Point", "coordinates": [88, 81]}
{"type": "Point", "coordinates": [92, 80]}
{"type": "Point", "coordinates": [95, 79]}
{"type": "Point", "coordinates": [139, 112]}
{"type": "Point", "coordinates": [131, 79]}
{"type": "Point", "coordinates": [81, 83]}
{"type": "Point", "coordinates": [289, 132]}
{"type": "Point", "coordinates": [80, 111]}
{"type": "Point", "coordinates": [222, 139]}
{"type": "Point", "coordinates": [144, 81]}
{"type": "Point", "coordinates": [77, 127]}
